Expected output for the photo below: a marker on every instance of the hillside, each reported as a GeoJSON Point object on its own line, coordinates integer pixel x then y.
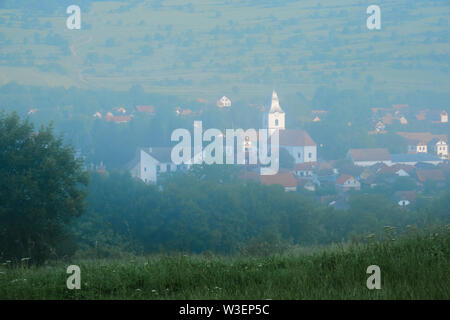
{"type": "Point", "coordinates": [243, 49]}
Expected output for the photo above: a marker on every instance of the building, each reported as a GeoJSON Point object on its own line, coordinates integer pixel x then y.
{"type": "Point", "coordinates": [285, 179]}
{"type": "Point", "coordinates": [369, 157]}
{"type": "Point", "coordinates": [146, 109]}
{"type": "Point", "coordinates": [440, 148]}
{"type": "Point", "coordinates": [275, 116]}
{"type": "Point", "coordinates": [149, 163]}
{"type": "Point", "coordinates": [224, 102]}
{"type": "Point", "coordinates": [426, 142]}
{"type": "Point", "coordinates": [298, 143]}
{"type": "Point", "coordinates": [305, 169]}
{"type": "Point", "coordinates": [346, 182]}
{"type": "Point", "coordinates": [435, 175]}
{"type": "Point", "coordinates": [414, 158]}
{"type": "Point", "coordinates": [444, 116]}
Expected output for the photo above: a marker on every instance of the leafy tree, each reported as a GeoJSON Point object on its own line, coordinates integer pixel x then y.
{"type": "Point", "coordinates": [286, 160]}
{"type": "Point", "coordinates": [41, 189]}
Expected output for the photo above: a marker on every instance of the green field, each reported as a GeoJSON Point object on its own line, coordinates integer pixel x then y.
{"type": "Point", "coordinates": [412, 266]}
{"type": "Point", "coordinates": [242, 49]}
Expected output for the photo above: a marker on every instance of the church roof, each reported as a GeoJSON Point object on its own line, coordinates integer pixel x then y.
{"type": "Point", "coordinates": [295, 138]}
{"type": "Point", "coordinates": [275, 106]}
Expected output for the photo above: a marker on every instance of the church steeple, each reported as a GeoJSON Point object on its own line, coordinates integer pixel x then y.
{"type": "Point", "coordinates": [275, 106]}
{"type": "Point", "coordinates": [275, 117]}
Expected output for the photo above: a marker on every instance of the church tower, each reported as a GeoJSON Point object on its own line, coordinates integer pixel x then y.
{"type": "Point", "coordinates": [275, 117]}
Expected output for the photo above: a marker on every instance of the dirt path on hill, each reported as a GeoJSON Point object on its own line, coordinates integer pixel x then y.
{"type": "Point", "coordinates": [73, 50]}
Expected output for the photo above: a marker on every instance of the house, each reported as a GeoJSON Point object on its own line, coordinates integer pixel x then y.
{"type": "Point", "coordinates": [387, 119]}
{"type": "Point", "coordinates": [109, 116]}
{"type": "Point", "coordinates": [305, 169]}
{"type": "Point", "coordinates": [97, 115]}
{"type": "Point", "coordinates": [122, 119]}
{"type": "Point", "coordinates": [422, 115]}
{"type": "Point", "coordinates": [403, 120]}
{"type": "Point", "coordinates": [379, 127]}
{"type": "Point", "coordinates": [444, 116]}
{"type": "Point", "coordinates": [120, 110]}
{"type": "Point", "coordinates": [436, 175]}
{"type": "Point", "coordinates": [285, 179]}
{"type": "Point", "coordinates": [32, 111]}
{"type": "Point", "coordinates": [224, 102]}
{"type": "Point", "coordinates": [440, 148]}
{"type": "Point", "coordinates": [146, 109]}
{"type": "Point", "coordinates": [306, 184]}
{"type": "Point", "coordinates": [149, 163]}
{"type": "Point", "coordinates": [299, 144]}
{"type": "Point", "coordinates": [369, 157]}
{"type": "Point", "coordinates": [347, 182]}
{"type": "Point", "coordinates": [414, 158]}
{"type": "Point", "coordinates": [401, 170]}
{"type": "Point", "coordinates": [316, 119]}
{"type": "Point", "coordinates": [422, 142]}
{"type": "Point", "coordinates": [405, 198]}
{"type": "Point", "coordinates": [183, 112]}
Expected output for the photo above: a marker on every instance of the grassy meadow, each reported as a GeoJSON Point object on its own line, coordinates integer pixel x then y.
{"type": "Point", "coordinates": [414, 266]}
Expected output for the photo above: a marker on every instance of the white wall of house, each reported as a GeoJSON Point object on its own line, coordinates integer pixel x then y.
{"type": "Point", "coordinates": [371, 163]}
{"type": "Point", "coordinates": [441, 149]}
{"type": "Point", "coordinates": [148, 170]}
{"type": "Point", "coordinates": [302, 154]}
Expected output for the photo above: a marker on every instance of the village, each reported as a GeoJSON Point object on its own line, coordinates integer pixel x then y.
{"type": "Point", "coordinates": [424, 164]}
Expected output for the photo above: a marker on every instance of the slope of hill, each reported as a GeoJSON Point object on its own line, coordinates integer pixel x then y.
{"type": "Point", "coordinates": [243, 49]}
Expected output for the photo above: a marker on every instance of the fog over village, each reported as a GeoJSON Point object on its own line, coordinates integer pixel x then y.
{"type": "Point", "coordinates": [221, 145]}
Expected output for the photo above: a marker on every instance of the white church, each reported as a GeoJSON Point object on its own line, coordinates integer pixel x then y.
{"type": "Point", "coordinates": [298, 142]}
{"type": "Point", "coordinates": [149, 163]}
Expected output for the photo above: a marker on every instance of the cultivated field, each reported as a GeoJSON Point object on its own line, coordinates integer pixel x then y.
{"type": "Point", "coordinates": [242, 49]}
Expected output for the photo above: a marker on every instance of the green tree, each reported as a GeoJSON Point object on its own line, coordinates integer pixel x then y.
{"type": "Point", "coordinates": [41, 189]}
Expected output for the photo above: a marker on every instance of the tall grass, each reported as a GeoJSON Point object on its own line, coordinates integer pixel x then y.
{"type": "Point", "coordinates": [413, 266]}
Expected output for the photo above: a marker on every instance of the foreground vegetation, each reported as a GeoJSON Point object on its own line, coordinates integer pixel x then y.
{"type": "Point", "coordinates": [413, 266]}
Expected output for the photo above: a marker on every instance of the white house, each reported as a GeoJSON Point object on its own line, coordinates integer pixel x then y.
{"type": "Point", "coordinates": [224, 102]}
{"type": "Point", "coordinates": [440, 148]}
{"type": "Point", "coordinates": [414, 158]}
{"type": "Point", "coordinates": [369, 157]}
{"type": "Point", "coordinates": [444, 116]}
{"type": "Point", "coordinates": [149, 163]}
{"type": "Point", "coordinates": [347, 182]}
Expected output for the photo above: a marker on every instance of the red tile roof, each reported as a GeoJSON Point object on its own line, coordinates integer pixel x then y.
{"type": "Point", "coordinates": [434, 175]}
{"type": "Point", "coordinates": [379, 154]}
{"type": "Point", "coordinates": [424, 137]}
{"type": "Point", "coordinates": [121, 119]}
{"type": "Point", "coordinates": [146, 109]}
{"type": "Point", "coordinates": [343, 178]}
{"type": "Point", "coordinates": [295, 138]}
{"type": "Point", "coordinates": [286, 179]}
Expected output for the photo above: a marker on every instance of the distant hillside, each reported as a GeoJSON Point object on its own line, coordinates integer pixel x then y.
{"type": "Point", "coordinates": [242, 49]}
